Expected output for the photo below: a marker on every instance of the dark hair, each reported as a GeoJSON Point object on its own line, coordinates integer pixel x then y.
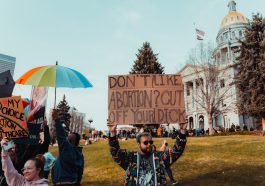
{"type": "Point", "coordinates": [39, 163]}
{"type": "Point", "coordinates": [77, 138]}
{"type": "Point", "coordinates": [139, 136]}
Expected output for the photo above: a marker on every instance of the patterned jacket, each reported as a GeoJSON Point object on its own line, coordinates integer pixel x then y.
{"type": "Point", "coordinates": [129, 161]}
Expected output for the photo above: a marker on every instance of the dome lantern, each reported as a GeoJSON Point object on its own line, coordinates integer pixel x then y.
{"type": "Point", "coordinates": [232, 6]}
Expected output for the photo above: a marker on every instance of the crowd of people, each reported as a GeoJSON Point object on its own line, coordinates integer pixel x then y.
{"type": "Point", "coordinates": [33, 164]}
{"type": "Point", "coordinates": [30, 164]}
{"type": "Point", "coordinates": [155, 131]}
{"type": "Point", "coordinates": [218, 130]}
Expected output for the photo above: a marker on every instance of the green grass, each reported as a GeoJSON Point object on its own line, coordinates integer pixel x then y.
{"type": "Point", "coordinates": [207, 161]}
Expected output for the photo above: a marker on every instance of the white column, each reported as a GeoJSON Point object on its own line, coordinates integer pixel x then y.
{"type": "Point", "coordinates": [185, 97]}
{"type": "Point", "coordinates": [205, 90]}
{"type": "Point", "coordinates": [229, 54]}
{"type": "Point", "coordinates": [194, 94]}
{"type": "Point", "coordinates": [195, 121]}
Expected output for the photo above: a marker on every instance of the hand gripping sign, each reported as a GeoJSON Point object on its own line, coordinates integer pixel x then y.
{"type": "Point", "coordinates": [12, 118]}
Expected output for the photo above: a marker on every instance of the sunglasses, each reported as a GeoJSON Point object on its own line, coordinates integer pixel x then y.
{"type": "Point", "coordinates": [150, 142]}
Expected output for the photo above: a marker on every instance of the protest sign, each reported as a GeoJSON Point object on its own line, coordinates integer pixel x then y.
{"type": "Point", "coordinates": [34, 135]}
{"type": "Point", "coordinates": [12, 118]}
{"type": "Point", "coordinates": [146, 99]}
{"type": "Point", "coordinates": [38, 102]}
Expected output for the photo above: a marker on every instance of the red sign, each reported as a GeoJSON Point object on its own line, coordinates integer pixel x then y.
{"type": "Point", "coordinates": [12, 118]}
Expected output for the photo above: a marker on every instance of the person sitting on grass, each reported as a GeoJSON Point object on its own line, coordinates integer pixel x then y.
{"type": "Point", "coordinates": [146, 167]}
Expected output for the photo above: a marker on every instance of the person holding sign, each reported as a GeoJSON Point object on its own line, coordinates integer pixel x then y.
{"type": "Point", "coordinates": [32, 171]}
{"type": "Point", "coordinates": [27, 148]}
{"type": "Point", "coordinates": [69, 165]}
{"type": "Point", "coordinates": [146, 167]}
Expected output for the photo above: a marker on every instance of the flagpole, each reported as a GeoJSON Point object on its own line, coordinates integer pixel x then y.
{"type": "Point", "coordinates": [195, 41]}
{"type": "Point", "coordinates": [195, 30]}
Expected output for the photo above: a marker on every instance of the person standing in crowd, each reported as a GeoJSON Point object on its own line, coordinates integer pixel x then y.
{"type": "Point", "coordinates": [145, 167]}
{"type": "Point", "coordinates": [49, 160]}
{"type": "Point", "coordinates": [24, 152]}
{"type": "Point", "coordinates": [69, 165]}
{"type": "Point", "coordinates": [164, 148]}
{"type": "Point", "coordinates": [159, 131]}
{"type": "Point", "coordinates": [32, 171]}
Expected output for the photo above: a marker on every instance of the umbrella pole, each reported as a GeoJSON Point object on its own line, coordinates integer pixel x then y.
{"type": "Point", "coordinates": [55, 92]}
{"type": "Point", "coordinates": [55, 98]}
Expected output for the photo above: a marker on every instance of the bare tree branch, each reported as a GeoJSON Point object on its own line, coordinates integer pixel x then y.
{"type": "Point", "coordinates": [212, 83]}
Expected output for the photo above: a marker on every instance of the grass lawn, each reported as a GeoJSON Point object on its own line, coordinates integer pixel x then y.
{"type": "Point", "coordinates": [206, 161]}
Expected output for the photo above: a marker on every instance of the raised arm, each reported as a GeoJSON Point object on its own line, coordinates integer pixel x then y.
{"type": "Point", "coordinates": [120, 156]}
{"type": "Point", "coordinates": [60, 132]}
{"type": "Point", "coordinates": [47, 137]}
{"type": "Point", "coordinates": [12, 176]}
{"type": "Point", "coordinates": [171, 155]}
{"type": "Point", "coordinates": [44, 147]}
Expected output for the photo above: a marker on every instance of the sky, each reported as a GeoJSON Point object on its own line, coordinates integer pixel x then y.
{"type": "Point", "coordinates": [102, 38]}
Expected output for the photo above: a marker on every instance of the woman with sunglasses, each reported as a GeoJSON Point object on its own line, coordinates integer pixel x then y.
{"type": "Point", "coordinates": [32, 171]}
{"type": "Point", "coordinates": [146, 167]}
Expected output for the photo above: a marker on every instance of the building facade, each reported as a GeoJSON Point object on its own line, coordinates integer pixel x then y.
{"type": "Point", "coordinates": [224, 55]}
{"type": "Point", "coordinates": [7, 63]}
{"type": "Point", "coordinates": [77, 124]}
{"type": "Point", "coordinates": [77, 121]}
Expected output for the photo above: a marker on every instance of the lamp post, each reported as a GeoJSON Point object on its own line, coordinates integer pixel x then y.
{"type": "Point", "coordinates": [90, 120]}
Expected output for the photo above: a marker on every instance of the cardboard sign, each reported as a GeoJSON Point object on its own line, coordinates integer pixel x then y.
{"type": "Point", "coordinates": [12, 118]}
{"type": "Point", "coordinates": [146, 99]}
{"type": "Point", "coordinates": [34, 132]}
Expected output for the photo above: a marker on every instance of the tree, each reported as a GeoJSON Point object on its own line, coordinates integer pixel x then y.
{"type": "Point", "coordinates": [212, 84]}
{"type": "Point", "coordinates": [250, 79]}
{"type": "Point", "coordinates": [146, 62]}
{"type": "Point", "coordinates": [63, 111]}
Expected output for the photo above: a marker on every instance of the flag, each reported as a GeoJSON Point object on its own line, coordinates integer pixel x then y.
{"type": "Point", "coordinates": [200, 34]}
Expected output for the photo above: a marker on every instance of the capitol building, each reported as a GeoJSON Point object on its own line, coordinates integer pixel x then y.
{"type": "Point", "coordinates": [231, 30]}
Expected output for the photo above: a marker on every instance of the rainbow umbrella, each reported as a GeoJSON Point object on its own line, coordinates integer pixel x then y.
{"type": "Point", "coordinates": [54, 76]}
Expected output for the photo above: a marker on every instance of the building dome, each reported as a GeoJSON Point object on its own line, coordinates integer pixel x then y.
{"type": "Point", "coordinates": [233, 17]}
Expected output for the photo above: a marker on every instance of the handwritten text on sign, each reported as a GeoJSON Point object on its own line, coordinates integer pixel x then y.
{"type": "Point", "coordinates": [12, 118]}
{"type": "Point", "coordinates": [146, 99]}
